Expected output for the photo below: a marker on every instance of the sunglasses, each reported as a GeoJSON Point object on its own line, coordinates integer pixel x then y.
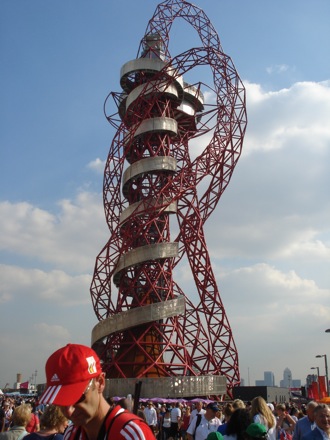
{"type": "Point", "coordinates": [83, 397]}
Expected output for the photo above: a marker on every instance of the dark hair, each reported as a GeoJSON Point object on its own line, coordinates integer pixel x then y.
{"type": "Point", "coordinates": [228, 410]}
{"type": "Point", "coordinates": [238, 422]}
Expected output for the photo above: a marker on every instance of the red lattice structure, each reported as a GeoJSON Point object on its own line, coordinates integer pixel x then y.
{"type": "Point", "coordinates": [148, 326]}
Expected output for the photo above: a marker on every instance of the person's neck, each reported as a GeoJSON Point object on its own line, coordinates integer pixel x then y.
{"type": "Point", "coordinates": [92, 429]}
{"type": "Point", "coordinates": [46, 432]}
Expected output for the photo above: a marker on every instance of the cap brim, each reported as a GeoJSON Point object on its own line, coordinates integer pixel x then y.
{"type": "Point", "coordinates": [63, 395]}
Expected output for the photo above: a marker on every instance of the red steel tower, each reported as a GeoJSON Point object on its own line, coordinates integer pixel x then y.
{"type": "Point", "coordinates": [160, 187]}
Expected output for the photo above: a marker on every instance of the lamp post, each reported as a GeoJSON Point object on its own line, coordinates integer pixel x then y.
{"type": "Point", "coordinates": [318, 370]}
{"type": "Point", "coordinates": [318, 373]}
{"type": "Point", "coordinates": [327, 331]}
{"type": "Point", "coordinates": [326, 369]}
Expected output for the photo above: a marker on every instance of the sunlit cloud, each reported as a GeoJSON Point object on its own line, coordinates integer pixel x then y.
{"type": "Point", "coordinates": [278, 69]}
{"type": "Point", "coordinates": [97, 165]}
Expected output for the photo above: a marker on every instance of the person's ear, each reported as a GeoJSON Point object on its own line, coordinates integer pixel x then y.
{"type": "Point", "coordinates": [100, 382]}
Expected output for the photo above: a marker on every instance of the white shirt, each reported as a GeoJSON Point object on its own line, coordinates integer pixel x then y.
{"type": "Point", "coordinates": [258, 418]}
{"type": "Point", "coordinates": [204, 428]}
{"type": "Point", "coordinates": [175, 414]}
{"type": "Point", "coordinates": [194, 413]}
{"type": "Point", "coordinates": [151, 416]}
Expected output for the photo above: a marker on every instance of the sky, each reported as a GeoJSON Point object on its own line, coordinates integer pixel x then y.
{"type": "Point", "coordinates": [269, 237]}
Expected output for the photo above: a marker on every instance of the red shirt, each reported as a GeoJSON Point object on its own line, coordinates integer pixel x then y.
{"type": "Point", "coordinates": [119, 424]}
{"type": "Point", "coordinates": [33, 424]}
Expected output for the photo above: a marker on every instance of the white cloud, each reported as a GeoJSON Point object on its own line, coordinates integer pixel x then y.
{"type": "Point", "coordinates": [69, 239]}
{"type": "Point", "coordinates": [298, 114]}
{"type": "Point", "coordinates": [277, 68]}
{"type": "Point", "coordinates": [97, 165]}
{"type": "Point", "coordinates": [276, 313]}
{"type": "Point", "coordinates": [56, 287]}
{"type": "Point", "coordinates": [268, 240]}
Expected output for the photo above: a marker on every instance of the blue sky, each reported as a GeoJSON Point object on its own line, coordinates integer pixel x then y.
{"type": "Point", "coordinates": [269, 238]}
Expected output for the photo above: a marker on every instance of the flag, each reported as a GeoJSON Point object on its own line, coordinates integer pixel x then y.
{"type": "Point", "coordinates": [313, 391]}
{"type": "Point", "coordinates": [24, 385]}
{"type": "Point", "coordinates": [322, 386]}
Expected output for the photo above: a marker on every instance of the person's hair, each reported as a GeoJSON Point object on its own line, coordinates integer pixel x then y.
{"type": "Point", "coordinates": [321, 407]}
{"type": "Point", "coordinates": [22, 415]}
{"type": "Point", "coordinates": [311, 404]}
{"type": "Point", "coordinates": [294, 411]}
{"type": "Point", "coordinates": [228, 410]}
{"type": "Point", "coordinates": [238, 422]}
{"type": "Point", "coordinates": [281, 407]}
{"type": "Point", "coordinates": [238, 403]}
{"type": "Point", "coordinates": [52, 418]}
{"type": "Point", "coordinates": [300, 415]}
{"type": "Point", "coordinates": [140, 413]}
{"type": "Point", "coordinates": [259, 406]}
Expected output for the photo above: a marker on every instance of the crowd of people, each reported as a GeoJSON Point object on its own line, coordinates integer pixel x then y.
{"type": "Point", "coordinates": [73, 407]}
{"type": "Point", "coordinates": [23, 419]}
{"type": "Point", "coordinates": [195, 421]}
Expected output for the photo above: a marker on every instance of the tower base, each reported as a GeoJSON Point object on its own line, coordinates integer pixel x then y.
{"type": "Point", "coordinates": [169, 387]}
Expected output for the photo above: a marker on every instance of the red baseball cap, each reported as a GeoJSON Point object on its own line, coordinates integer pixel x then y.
{"type": "Point", "coordinates": [69, 371]}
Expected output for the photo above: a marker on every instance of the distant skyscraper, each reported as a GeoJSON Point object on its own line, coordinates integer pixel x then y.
{"type": "Point", "coordinates": [287, 378]}
{"type": "Point", "coordinates": [269, 380]}
{"type": "Point", "coordinates": [288, 382]}
{"type": "Point", "coordinates": [310, 379]}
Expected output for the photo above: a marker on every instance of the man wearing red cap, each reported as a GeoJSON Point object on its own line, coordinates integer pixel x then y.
{"type": "Point", "coordinates": [75, 382]}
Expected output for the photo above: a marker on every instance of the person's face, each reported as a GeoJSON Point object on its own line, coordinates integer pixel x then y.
{"type": "Point", "coordinates": [62, 427]}
{"type": "Point", "coordinates": [310, 412]}
{"type": "Point", "coordinates": [82, 412]}
{"type": "Point", "coordinates": [322, 419]}
{"type": "Point", "coordinates": [210, 414]}
{"type": "Point", "coordinates": [199, 406]}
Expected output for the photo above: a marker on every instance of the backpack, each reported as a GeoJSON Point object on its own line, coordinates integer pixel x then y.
{"type": "Point", "coordinates": [112, 428]}
{"type": "Point", "coordinates": [119, 421]}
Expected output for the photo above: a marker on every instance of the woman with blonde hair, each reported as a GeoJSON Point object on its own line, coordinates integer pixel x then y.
{"type": "Point", "coordinates": [52, 425]}
{"type": "Point", "coordinates": [21, 417]}
{"type": "Point", "coordinates": [261, 413]}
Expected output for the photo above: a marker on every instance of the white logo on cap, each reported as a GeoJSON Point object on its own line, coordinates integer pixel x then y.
{"type": "Point", "coordinates": [55, 378]}
{"type": "Point", "coordinates": [91, 365]}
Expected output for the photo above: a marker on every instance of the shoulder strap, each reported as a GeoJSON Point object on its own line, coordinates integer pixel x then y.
{"type": "Point", "coordinates": [119, 421]}
{"type": "Point", "coordinates": [198, 421]}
